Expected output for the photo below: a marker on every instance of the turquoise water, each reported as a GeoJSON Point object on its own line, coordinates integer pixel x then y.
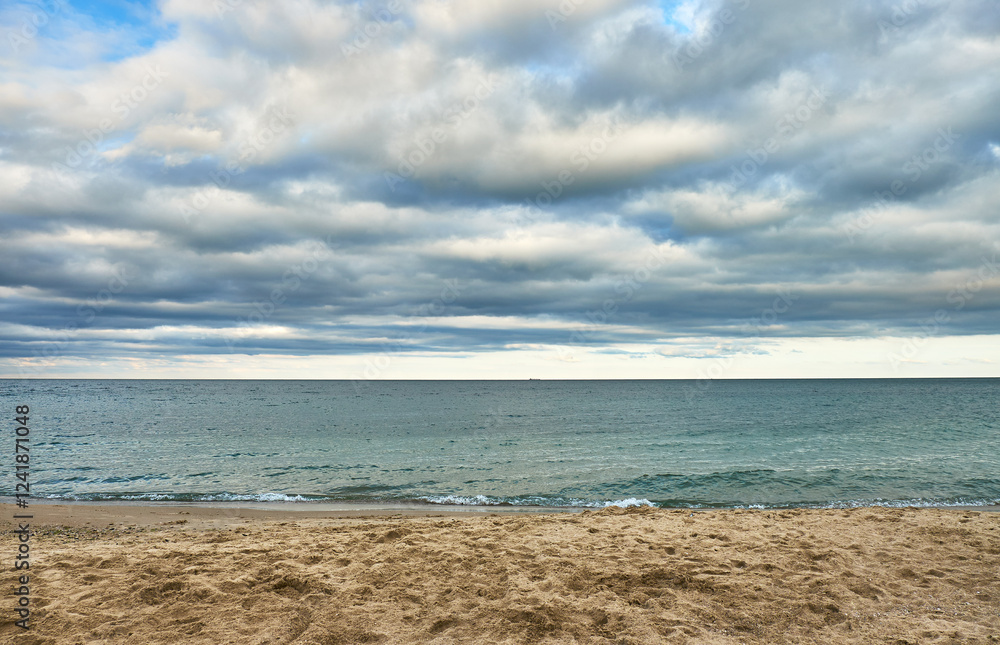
{"type": "Point", "coordinates": [549, 443]}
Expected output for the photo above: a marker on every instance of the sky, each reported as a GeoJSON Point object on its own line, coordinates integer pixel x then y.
{"type": "Point", "coordinates": [440, 189]}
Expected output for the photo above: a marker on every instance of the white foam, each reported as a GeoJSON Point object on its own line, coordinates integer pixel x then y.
{"type": "Point", "coordinates": [629, 503]}
{"type": "Point", "coordinates": [160, 497]}
{"type": "Point", "coordinates": [482, 500]}
{"type": "Point", "coordinates": [262, 497]}
{"type": "Point", "coordinates": [478, 500]}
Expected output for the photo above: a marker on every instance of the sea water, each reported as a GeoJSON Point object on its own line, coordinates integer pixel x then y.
{"type": "Point", "coordinates": [727, 443]}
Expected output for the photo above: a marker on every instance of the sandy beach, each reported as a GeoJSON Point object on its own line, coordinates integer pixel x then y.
{"type": "Point", "coordinates": [169, 574]}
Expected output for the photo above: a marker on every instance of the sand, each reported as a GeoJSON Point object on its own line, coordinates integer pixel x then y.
{"type": "Point", "coordinates": [132, 575]}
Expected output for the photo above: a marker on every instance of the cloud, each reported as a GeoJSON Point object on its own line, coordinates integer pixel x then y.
{"type": "Point", "coordinates": [453, 180]}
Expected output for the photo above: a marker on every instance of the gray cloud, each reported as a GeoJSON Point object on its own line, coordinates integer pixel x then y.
{"type": "Point", "coordinates": [153, 203]}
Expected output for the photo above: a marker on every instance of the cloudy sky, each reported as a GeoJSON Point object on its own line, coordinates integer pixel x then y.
{"type": "Point", "coordinates": [500, 188]}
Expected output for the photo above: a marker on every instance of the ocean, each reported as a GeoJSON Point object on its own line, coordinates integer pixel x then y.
{"type": "Point", "coordinates": [670, 443]}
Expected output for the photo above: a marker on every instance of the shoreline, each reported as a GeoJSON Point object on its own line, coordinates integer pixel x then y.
{"type": "Point", "coordinates": [81, 514]}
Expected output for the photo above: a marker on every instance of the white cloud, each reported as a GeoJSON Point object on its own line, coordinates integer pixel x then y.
{"type": "Point", "coordinates": [526, 197]}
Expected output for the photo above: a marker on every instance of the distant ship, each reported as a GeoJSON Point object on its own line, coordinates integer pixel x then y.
{"type": "Point", "coordinates": [534, 379]}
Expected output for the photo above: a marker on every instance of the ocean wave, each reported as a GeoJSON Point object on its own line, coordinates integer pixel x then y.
{"type": "Point", "coordinates": [905, 503]}
{"type": "Point", "coordinates": [629, 503]}
{"type": "Point", "coordinates": [533, 501]}
{"type": "Point", "coordinates": [459, 500]}
{"type": "Point", "coordinates": [556, 502]}
{"type": "Point", "coordinates": [185, 497]}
